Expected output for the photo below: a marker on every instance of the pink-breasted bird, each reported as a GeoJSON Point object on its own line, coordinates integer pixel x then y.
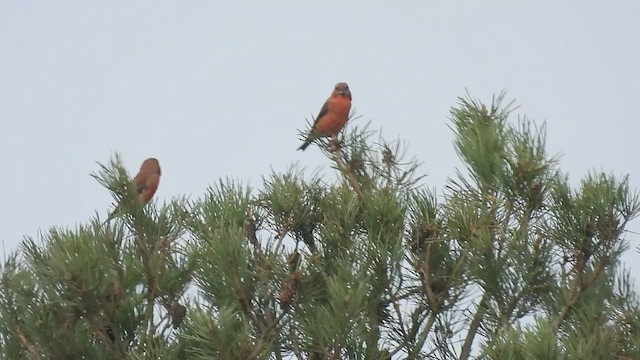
{"type": "Point", "coordinates": [333, 115]}
{"type": "Point", "coordinates": [147, 179]}
{"type": "Point", "coordinates": [146, 182]}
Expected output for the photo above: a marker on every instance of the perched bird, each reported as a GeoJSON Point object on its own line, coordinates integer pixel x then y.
{"type": "Point", "coordinates": [333, 115]}
{"type": "Point", "coordinates": [147, 179]}
{"type": "Point", "coordinates": [146, 182]}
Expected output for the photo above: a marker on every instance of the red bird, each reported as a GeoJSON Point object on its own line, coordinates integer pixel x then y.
{"type": "Point", "coordinates": [333, 115]}
{"type": "Point", "coordinates": [146, 182]}
{"type": "Point", "coordinates": [147, 179]}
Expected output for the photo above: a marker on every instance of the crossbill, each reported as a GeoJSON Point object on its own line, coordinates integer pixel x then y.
{"type": "Point", "coordinates": [147, 179]}
{"type": "Point", "coordinates": [146, 182]}
{"type": "Point", "coordinates": [333, 115]}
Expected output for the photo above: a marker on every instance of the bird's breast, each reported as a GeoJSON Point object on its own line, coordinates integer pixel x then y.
{"type": "Point", "coordinates": [334, 120]}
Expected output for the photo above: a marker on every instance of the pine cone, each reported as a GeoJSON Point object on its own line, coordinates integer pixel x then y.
{"type": "Point", "coordinates": [440, 290]}
{"type": "Point", "coordinates": [178, 313]}
{"type": "Point", "coordinates": [422, 235]}
{"type": "Point", "coordinates": [289, 289]}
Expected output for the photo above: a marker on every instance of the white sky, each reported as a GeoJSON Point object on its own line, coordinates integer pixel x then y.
{"type": "Point", "coordinates": [215, 89]}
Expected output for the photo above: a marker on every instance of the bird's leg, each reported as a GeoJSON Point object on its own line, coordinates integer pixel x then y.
{"type": "Point", "coordinates": [335, 143]}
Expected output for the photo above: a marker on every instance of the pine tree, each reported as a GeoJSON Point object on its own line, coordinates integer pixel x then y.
{"type": "Point", "coordinates": [508, 261]}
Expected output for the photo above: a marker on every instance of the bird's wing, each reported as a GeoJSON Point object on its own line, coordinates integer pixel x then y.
{"type": "Point", "coordinates": [140, 185]}
{"type": "Point", "coordinates": [149, 188]}
{"type": "Point", "coordinates": [323, 112]}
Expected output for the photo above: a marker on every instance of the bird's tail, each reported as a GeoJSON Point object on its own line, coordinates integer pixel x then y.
{"type": "Point", "coordinates": [109, 218]}
{"type": "Point", "coordinates": [116, 211]}
{"type": "Point", "coordinates": [306, 144]}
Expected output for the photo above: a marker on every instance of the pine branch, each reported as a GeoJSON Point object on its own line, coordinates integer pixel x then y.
{"type": "Point", "coordinates": [101, 329]}
{"type": "Point", "coordinates": [577, 290]}
{"type": "Point", "coordinates": [423, 337]}
{"type": "Point", "coordinates": [473, 327]}
{"type": "Point", "coordinates": [346, 170]}
{"type": "Point", "coordinates": [396, 307]}
{"type": "Point", "coordinates": [152, 286]}
{"type": "Point", "coordinates": [266, 338]}
{"type": "Point", "coordinates": [31, 349]}
{"type": "Point", "coordinates": [114, 252]}
{"type": "Point", "coordinates": [280, 235]}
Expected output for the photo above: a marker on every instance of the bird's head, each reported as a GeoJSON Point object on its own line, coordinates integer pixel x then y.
{"type": "Point", "coordinates": [151, 165]}
{"type": "Point", "coordinates": [342, 89]}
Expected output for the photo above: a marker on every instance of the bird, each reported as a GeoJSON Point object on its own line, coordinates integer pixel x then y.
{"type": "Point", "coordinates": [147, 179]}
{"type": "Point", "coordinates": [146, 182]}
{"type": "Point", "coordinates": [333, 115]}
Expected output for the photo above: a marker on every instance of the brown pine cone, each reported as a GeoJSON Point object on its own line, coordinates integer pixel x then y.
{"type": "Point", "coordinates": [289, 289]}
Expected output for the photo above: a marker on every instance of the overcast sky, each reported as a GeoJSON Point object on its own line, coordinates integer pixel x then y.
{"type": "Point", "coordinates": [215, 89]}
